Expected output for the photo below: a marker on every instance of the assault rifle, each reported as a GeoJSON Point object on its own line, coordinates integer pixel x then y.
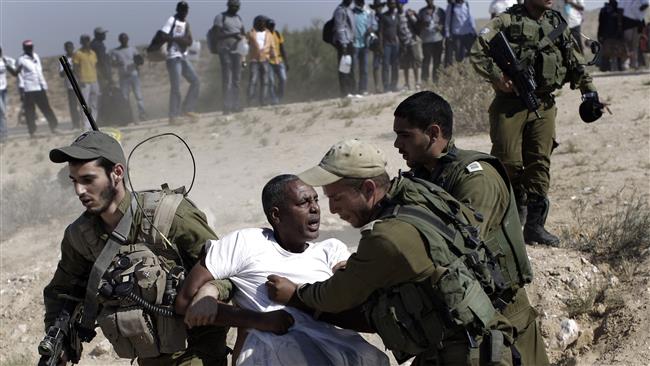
{"type": "Point", "coordinates": [75, 87]}
{"type": "Point", "coordinates": [522, 77]}
{"type": "Point", "coordinates": [62, 337]}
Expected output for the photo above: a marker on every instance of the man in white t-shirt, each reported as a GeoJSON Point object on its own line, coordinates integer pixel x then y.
{"type": "Point", "coordinates": [176, 32]}
{"type": "Point", "coordinates": [574, 10]}
{"type": "Point", "coordinates": [247, 257]}
{"type": "Point", "coordinates": [30, 69]}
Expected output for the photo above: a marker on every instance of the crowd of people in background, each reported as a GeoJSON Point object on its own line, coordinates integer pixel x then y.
{"type": "Point", "coordinates": [399, 38]}
{"type": "Point", "coordinates": [417, 42]}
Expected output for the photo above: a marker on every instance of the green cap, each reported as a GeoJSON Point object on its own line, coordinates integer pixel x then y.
{"type": "Point", "coordinates": [346, 159]}
{"type": "Point", "coordinates": [90, 145]}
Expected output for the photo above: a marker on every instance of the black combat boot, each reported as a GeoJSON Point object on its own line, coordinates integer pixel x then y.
{"type": "Point", "coordinates": [534, 232]}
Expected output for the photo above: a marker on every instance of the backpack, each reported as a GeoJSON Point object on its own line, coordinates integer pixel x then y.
{"type": "Point", "coordinates": [456, 223]}
{"type": "Point", "coordinates": [506, 242]}
{"type": "Point", "coordinates": [211, 40]}
{"type": "Point", "coordinates": [156, 52]}
{"type": "Point", "coordinates": [463, 290]}
{"type": "Point", "coordinates": [135, 283]}
{"type": "Point", "coordinates": [328, 31]}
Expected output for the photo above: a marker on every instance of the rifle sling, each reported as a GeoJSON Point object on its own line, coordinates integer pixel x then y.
{"type": "Point", "coordinates": [552, 36]}
{"type": "Point", "coordinates": [117, 238]}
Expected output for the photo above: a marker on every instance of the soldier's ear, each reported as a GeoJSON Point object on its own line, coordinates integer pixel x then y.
{"type": "Point", "coordinates": [433, 131]}
{"type": "Point", "coordinates": [368, 188]}
{"type": "Point", "coordinates": [118, 173]}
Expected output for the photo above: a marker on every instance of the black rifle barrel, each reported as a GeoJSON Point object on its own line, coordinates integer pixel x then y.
{"type": "Point", "coordinates": [521, 76]}
{"type": "Point", "coordinates": [73, 81]}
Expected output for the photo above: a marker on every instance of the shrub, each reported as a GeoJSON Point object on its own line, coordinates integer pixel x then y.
{"type": "Point", "coordinates": [619, 236]}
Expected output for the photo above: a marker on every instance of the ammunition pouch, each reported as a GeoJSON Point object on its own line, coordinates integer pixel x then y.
{"type": "Point", "coordinates": [137, 315]}
{"type": "Point", "coordinates": [406, 319]}
{"type": "Point", "coordinates": [467, 303]}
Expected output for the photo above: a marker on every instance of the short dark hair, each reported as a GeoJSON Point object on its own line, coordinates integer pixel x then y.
{"type": "Point", "coordinates": [426, 108]}
{"type": "Point", "coordinates": [182, 6]}
{"type": "Point", "coordinates": [274, 192]}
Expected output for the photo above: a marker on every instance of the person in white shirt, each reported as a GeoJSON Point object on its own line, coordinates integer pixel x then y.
{"type": "Point", "coordinates": [499, 6]}
{"type": "Point", "coordinates": [126, 59]}
{"type": "Point", "coordinates": [247, 257]}
{"type": "Point", "coordinates": [30, 69]}
{"type": "Point", "coordinates": [573, 10]}
{"type": "Point", "coordinates": [176, 32]}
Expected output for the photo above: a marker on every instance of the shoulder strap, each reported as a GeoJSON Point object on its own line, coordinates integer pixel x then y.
{"type": "Point", "coordinates": [118, 237]}
{"type": "Point", "coordinates": [159, 209]}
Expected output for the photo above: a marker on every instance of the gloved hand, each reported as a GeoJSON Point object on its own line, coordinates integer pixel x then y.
{"type": "Point", "coordinates": [591, 108]}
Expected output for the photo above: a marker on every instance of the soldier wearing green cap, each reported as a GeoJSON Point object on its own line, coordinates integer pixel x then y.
{"type": "Point", "coordinates": [112, 220]}
{"type": "Point", "coordinates": [424, 125]}
{"type": "Point", "coordinates": [524, 140]}
{"type": "Point", "coordinates": [407, 276]}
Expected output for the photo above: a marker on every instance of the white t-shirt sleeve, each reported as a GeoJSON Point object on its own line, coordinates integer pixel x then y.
{"type": "Point", "coordinates": [168, 26]}
{"type": "Point", "coordinates": [337, 252]}
{"type": "Point", "coordinates": [225, 257]}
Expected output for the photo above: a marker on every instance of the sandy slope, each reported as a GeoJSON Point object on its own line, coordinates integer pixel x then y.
{"type": "Point", "coordinates": [236, 155]}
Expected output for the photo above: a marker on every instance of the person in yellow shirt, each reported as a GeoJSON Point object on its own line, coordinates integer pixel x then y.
{"type": "Point", "coordinates": [85, 63]}
{"type": "Point", "coordinates": [279, 64]}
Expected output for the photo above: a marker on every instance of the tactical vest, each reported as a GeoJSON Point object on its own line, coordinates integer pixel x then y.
{"type": "Point", "coordinates": [543, 45]}
{"type": "Point", "coordinates": [414, 317]}
{"type": "Point", "coordinates": [507, 241]}
{"type": "Point", "coordinates": [137, 284]}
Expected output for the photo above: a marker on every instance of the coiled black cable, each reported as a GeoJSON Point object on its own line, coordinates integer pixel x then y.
{"type": "Point", "coordinates": [150, 307]}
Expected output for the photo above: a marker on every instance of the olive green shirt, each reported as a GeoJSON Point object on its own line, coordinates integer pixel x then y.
{"type": "Point", "coordinates": [478, 185]}
{"type": "Point", "coordinates": [189, 231]}
{"type": "Point", "coordinates": [530, 38]}
{"type": "Point", "coordinates": [390, 252]}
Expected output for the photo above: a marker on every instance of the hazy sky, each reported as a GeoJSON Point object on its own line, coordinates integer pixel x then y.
{"type": "Point", "coordinates": [49, 23]}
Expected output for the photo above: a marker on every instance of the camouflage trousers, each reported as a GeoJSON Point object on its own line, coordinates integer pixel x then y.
{"type": "Point", "coordinates": [207, 347]}
{"type": "Point", "coordinates": [528, 337]}
{"type": "Point", "coordinates": [523, 142]}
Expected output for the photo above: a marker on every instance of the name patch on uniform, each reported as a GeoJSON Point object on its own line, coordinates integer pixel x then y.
{"type": "Point", "coordinates": [475, 166]}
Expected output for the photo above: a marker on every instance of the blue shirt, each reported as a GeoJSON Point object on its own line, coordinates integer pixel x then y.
{"type": "Point", "coordinates": [458, 20]}
{"type": "Point", "coordinates": [362, 22]}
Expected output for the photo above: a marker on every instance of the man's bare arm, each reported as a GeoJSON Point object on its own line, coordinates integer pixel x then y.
{"type": "Point", "coordinates": [198, 276]}
{"type": "Point", "coordinates": [197, 300]}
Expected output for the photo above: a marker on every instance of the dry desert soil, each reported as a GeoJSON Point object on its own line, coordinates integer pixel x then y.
{"type": "Point", "coordinates": [600, 181]}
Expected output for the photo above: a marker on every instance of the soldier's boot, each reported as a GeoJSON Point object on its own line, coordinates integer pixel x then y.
{"type": "Point", "coordinates": [534, 231]}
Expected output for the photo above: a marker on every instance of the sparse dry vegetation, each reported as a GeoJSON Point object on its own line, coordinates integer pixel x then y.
{"type": "Point", "coordinates": [619, 235]}
{"type": "Point", "coordinates": [38, 200]}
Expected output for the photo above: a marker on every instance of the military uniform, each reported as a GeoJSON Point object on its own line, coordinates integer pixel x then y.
{"type": "Point", "coordinates": [472, 178]}
{"type": "Point", "coordinates": [521, 140]}
{"type": "Point", "coordinates": [83, 242]}
{"type": "Point", "coordinates": [393, 257]}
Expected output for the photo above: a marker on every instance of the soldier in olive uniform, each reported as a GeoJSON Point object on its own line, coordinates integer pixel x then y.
{"type": "Point", "coordinates": [523, 141]}
{"type": "Point", "coordinates": [424, 125]}
{"type": "Point", "coordinates": [395, 270]}
{"type": "Point", "coordinates": [97, 170]}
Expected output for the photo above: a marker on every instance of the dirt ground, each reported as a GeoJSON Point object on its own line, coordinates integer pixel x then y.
{"type": "Point", "coordinates": [595, 166]}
